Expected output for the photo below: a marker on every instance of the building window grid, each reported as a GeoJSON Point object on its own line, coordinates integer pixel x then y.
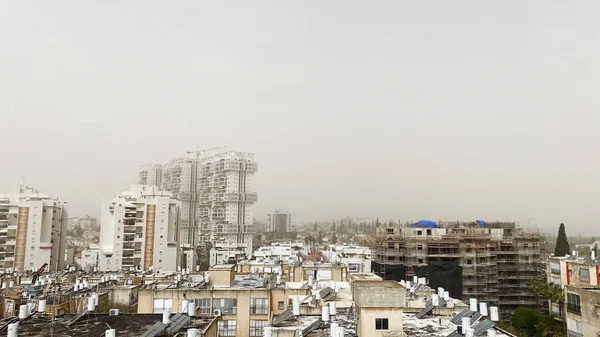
{"type": "Point", "coordinates": [259, 306]}
{"type": "Point", "coordinates": [381, 324]}
{"type": "Point", "coordinates": [257, 327]}
{"type": "Point", "coordinates": [203, 304]}
{"type": "Point", "coordinates": [227, 306]}
{"type": "Point", "coordinates": [584, 275]}
{"type": "Point", "coordinates": [227, 328]}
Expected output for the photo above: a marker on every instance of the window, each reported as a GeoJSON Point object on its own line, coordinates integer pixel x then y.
{"type": "Point", "coordinates": [419, 232]}
{"type": "Point", "coordinates": [280, 305]}
{"type": "Point", "coordinates": [226, 328]}
{"type": "Point", "coordinates": [256, 328]}
{"type": "Point", "coordinates": [161, 305]}
{"type": "Point", "coordinates": [381, 324]}
{"type": "Point", "coordinates": [555, 268]}
{"type": "Point", "coordinates": [259, 306]}
{"type": "Point", "coordinates": [573, 303]}
{"type": "Point", "coordinates": [575, 328]}
{"type": "Point", "coordinates": [390, 230]}
{"type": "Point", "coordinates": [584, 274]}
{"type": "Point", "coordinates": [203, 304]}
{"type": "Point", "coordinates": [228, 306]}
{"type": "Point", "coordinates": [429, 232]}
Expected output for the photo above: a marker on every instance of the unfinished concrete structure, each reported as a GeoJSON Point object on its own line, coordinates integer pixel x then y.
{"type": "Point", "coordinates": [489, 261]}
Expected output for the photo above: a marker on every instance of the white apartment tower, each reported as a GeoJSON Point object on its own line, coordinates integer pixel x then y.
{"type": "Point", "coordinates": [279, 220]}
{"type": "Point", "coordinates": [227, 196]}
{"type": "Point", "coordinates": [33, 231]}
{"type": "Point", "coordinates": [151, 175]}
{"type": "Point", "coordinates": [139, 229]}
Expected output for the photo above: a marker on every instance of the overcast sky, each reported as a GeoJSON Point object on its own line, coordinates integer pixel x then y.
{"type": "Point", "coordinates": [453, 110]}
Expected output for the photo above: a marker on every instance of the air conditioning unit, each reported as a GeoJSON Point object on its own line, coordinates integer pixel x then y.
{"type": "Point", "coordinates": [113, 312]}
{"type": "Point", "coordinates": [217, 312]}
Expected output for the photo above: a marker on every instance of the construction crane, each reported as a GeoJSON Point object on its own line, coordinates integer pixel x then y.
{"type": "Point", "coordinates": [199, 152]}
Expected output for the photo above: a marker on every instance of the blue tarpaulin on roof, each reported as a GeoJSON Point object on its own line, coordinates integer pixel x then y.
{"type": "Point", "coordinates": [425, 224]}
{"type": "Point", "coordinates": [481, 223]}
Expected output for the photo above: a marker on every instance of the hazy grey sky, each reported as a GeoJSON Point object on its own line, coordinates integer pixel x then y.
{"type": "Point", "coordinates": [398, 109]}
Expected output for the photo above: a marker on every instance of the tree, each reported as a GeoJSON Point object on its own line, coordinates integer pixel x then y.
{"type": "Point", "coordinates": [562, 243]}
{"type": "Point", "coordinates": [333, 227]}
{"type": "Point", "coordinates": [526, 319]}
{"type": "Point", "coordinates": [315, 227]}
{"type": "Point", "coordinates": [334, 238]}
{"type": "Point", "coordinates": [320, 238]}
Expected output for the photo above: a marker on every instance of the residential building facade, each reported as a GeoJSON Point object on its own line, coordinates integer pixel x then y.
{"type": "Point", "coordinates": [279, 221]}
{"type": "Point", "coordinates": [33, 231]}
{"type": "Point", "coordinates": [139, 230]}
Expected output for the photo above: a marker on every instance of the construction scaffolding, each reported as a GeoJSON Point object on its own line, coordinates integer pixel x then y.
{"type": "Point", "coordinates": [491, 261]}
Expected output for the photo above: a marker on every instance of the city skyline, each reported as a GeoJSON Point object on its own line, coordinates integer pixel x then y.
{"type": "Point", "coordinates": [398, 110]}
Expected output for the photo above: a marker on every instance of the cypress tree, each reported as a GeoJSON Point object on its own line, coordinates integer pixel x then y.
{"type": "Point", "coordinates": [562, 243]}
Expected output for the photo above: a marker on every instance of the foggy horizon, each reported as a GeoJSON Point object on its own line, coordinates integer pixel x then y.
{"type": "Point", "coordinates": [459, 111]}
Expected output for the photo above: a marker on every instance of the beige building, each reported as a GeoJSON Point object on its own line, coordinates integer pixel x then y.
{"type": "Point", "coordinates": [378, 307]}
{"type": "Point", "coordinates": [245, 304]}
{"type": "Point", "coordinates": [583, 310]}
{"type": "Point", "coordinates": [576, 271]}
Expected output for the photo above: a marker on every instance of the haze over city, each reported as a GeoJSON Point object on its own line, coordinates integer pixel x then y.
{"type": "Point", "coordinates": [459, 110]}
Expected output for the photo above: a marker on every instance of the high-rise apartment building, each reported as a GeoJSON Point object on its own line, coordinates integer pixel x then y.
{"type": "Point", "coordinates": [279, 220]}
{"type": "Point", "coordinates": [151, 175]}
{"type": "Point", "coordinates": [33, 231]}
{"type": "Point", "coordinates": [216, 196]}
{"type": "Point", "coordinates": [226, 198]}
{"type": "Point", "coordinates": [139, 229]}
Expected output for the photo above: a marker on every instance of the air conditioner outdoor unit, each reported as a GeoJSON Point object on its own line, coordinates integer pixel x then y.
{"type": "Point", "coordinates": [217, 312]}
{"type": "Point", "coordinates": [113, 312]}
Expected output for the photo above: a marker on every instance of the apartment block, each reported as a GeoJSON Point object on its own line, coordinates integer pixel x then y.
{"type": "Point", "coordinates": [279, 221]}
{"type": "Point", "coordinates": [139, 230]}
{"type": "Point", "coordinates": [490, 261]}
{"type": "Point", "coordinates": [583, 310]}
{"type": "Point", "coordinates": [226, 192]}
{"type": "Point", "coordinates": [150, 174]}
{"type": "Point", "coordinates": [33, 231]}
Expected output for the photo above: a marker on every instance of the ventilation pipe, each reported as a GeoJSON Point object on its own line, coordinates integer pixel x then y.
{"type": "Point", "coordinates": [13, 330]}
{"type": "Point", "coordinates": [325, 313]}
{"type": "Point", "coordinates": [110, 333]}
{"type": "Point", "coordinates": [42, 306]}
{"type": "Point", "coordinates": [184, 306]}
{"type": "Point", "coordinates": [473, 304]}
{"type": "Point", "coordinates": [193, 332]}
{"type": "Point", "coordinates": [494, 314]}
{"type": "Point", "coordinates": [166, 316]}
{"type": "Point", "coordinates": [296, 306]}
{"type": "Point", "coordinates": [466, 324]}
{"type": "Point", "coordinates": [483, 309]}
{"type": "Point", "coordinates": [332, 308]}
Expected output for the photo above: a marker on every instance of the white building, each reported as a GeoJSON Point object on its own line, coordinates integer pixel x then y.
{"type": "Point", "coordinates": [281, 251]}
{"type": "Point", "coordinates": [139, 229]}
{"type": "Point", "coordinates": [226, 186]}
{"type": "Point", "coordinates": [89, 257]}
{"type": "Point", "coordinates": [151, 175]}
{"type": "Point", "coordinates": [357, 258]}
{"type": "Point", "coordinates": [33, 231]}
{"type": "Point", "coordinates": [279, 220]}
{"type": "Point", "coordinates": [228, 252]}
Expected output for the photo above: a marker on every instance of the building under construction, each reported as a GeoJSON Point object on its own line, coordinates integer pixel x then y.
{"type": "Point", "coordinates": [489, 261]}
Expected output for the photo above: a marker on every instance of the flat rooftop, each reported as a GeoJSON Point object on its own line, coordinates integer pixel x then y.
{"type": "Point", "coordinates": [92, 325]}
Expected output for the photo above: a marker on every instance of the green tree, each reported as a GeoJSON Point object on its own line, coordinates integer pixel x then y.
{"type": "Point", "coordinates": [334, 238]}
{"type": "Point", "coordinates": [562, 243]}
{"type": "Point", "coordinates": [315, 227]}
{"type": "Point", "coordinates": [333, 227]}
{"type": "Point", "coordinates": [320, 238]}
{"type": "Point", "coordinates": [526, 320]}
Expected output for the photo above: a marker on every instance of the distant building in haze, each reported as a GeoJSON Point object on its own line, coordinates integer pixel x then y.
{"type": "Point", "coordinates": [279, 220]}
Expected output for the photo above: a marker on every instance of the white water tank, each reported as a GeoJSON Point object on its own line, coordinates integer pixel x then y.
{"type": "Point", "coordinates": [42, 306]}
{"type": "Point", "coordinates": [91, 305]}
{"type": "Point", "coordinates": [267, 331]}
{"type": "Point", "coordinates": [296, 306]}
{"type": "Point", "coordinates": [325, 313]}
{"type": "Point", "coordinates": [333, 329]}
{"type": "Point", "coordinates": [3, 285]}
{"type": "Point", "coordinates": [310, 280]}
{"type": "Point", "coordinates": [184, 306]}
{"type": "Point", "coordinates": [206, 277]}
{"type": "Point", "coordinates": [96, 298]}
{"type": "Point", "coordinates": [23, 311]}
{"type": "Point", "coordinates": [11, 284]}
{"type": "Point", "coordinates": [473, 304]}
{"type": "Point", "coordinates": [13, 330]}
{"type": "Point", "coordinates": [494, 314]}
{"type": "Point", "coordinates": [483, 309]}
{"type": "Point", "coordinates": [415, 279]}
{"type": "Point", "coordinates": [440, 292]}
{"type": "Point", "coordinates": [192, 332]}
{"type": "Point", "coordinates": [197, 268]}
{"type": "Point", "coordinates": [446, 295]}
{"type": "Point", "coordinates": [42, 282]}
{"type": "Point", "coordinates": [110, 333]}
{"type": "Point", "coordinates": [332, 308]}
{"type": "Point", "coordinates": [407, 284]}
{"type": "Point", "coordinates": [470, 332]}
{"type": "Point", "coordinates": [491, 332]}
{"type": "Point", "coordinates": [166, 316]}
{"type": "Point", "coordinates": [466, 323]}
{"type": "Point", "coordinates": [191, 311]}
{"type": "Point", "coordinates": [340, 331]}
